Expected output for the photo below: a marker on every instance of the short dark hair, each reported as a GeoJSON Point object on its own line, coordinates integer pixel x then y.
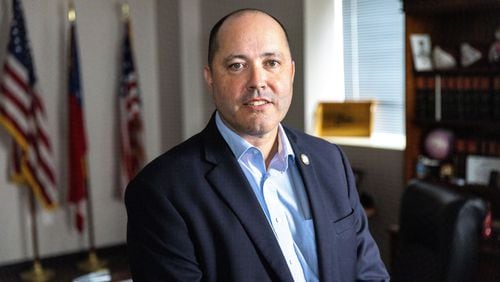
{"type": "Point", "coordinates": [212, 40]}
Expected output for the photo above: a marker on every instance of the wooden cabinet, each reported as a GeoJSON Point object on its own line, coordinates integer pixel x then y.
{"type": "Point", "coordinates": [467, 99]}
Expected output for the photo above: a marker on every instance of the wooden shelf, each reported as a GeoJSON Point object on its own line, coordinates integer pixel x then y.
{"type": "Point", "coordinates": [433, 7]}
{"type": "Point", "coordinates": [449, 23]}
{"type": "Point", "coordinates": [483, 70]}
{"type": "Point", "coordinates": [481, 127]}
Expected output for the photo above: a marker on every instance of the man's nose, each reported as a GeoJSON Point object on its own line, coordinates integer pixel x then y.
{"type": "Point", "coordinates": [257, 79]}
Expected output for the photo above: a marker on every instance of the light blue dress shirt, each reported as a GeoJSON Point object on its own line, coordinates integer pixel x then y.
{"type": "Point", "coordinates": [282, 196]}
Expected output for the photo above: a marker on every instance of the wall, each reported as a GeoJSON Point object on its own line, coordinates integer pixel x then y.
{"type": "Point", "coordinates": [99, 35]}
{"type": "Point", "coordinates": [169, 64]}
{"type": "Point", "coordinates": [323, 56]}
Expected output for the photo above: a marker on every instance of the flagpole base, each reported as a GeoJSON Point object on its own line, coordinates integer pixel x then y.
{"type": "Point", "coordinates": [37, 273]}
{"type": "Point", "coordinates": [92, 263]}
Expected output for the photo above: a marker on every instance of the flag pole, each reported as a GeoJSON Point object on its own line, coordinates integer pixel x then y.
{"type": "Point", "coordinates": [92, 263]}
{"type": "Point", "coordinates": [37, 273]}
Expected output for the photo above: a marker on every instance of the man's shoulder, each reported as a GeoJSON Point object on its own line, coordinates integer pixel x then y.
{"type": "Point", "coordinates": [301, 137]}
{"type": "Point", "coordinates": [175, 157]}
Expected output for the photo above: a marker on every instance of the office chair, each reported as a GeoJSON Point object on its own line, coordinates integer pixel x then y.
{"type": "Point", "coordinates": [439, 234]}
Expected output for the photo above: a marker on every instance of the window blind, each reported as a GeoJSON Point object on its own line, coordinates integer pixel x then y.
{"type": "Point", "coordinates": [374, 59]}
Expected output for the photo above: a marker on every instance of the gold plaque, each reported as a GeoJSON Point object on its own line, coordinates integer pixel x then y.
{"type": "Point", "coordinates": [349, 118]}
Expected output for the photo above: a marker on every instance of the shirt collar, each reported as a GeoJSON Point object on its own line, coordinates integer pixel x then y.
{"type": "Point", "coordinates": [239, 145]}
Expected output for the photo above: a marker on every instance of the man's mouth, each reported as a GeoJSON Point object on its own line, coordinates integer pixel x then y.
{"type": "Point", "coordinates": [256, 103]}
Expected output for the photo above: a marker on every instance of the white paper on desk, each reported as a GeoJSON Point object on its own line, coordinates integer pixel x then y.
{"type": "Point", "coordinates": [97, 276]}
{"type": "Point", "coordinates": [479, 169]}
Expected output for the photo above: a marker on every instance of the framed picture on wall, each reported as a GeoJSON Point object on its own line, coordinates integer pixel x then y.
{"type": "Point", "coordinates": [421, 51]}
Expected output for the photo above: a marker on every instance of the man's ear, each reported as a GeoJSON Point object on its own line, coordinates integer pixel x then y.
{"type": "Point", "coordinates": [207, 73]}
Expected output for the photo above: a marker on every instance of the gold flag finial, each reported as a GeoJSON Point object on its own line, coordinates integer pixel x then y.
{"type": "Point", "coordinates": [125, 11]}
{"type": "Point", "coordinates": [72, 12]}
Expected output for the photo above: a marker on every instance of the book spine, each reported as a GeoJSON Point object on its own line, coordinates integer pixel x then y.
{"type": "Point", "coordinates": [460, 98]}
{"type": "Point", "coordinates": [474, 101]}
{"type": "Point", "coordinates": [420, 98]}
{"type": "Point", "coordinates": [438, 98]}
{"type": "Point", "coordinates": [496, 98]}
{"type": "Point", "coordinates": [467, 98]}
{"type": "Point", "coordinates": [484, 103]}
{"type": "Point", "coordinates": [431, 98]}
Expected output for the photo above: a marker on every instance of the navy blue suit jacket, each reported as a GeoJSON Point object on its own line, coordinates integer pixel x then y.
{"type": "Point", "coordinates": [193, 216]}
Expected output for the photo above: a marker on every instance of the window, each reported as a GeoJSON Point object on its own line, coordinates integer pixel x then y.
{"type": "Point", "coordinates": [374, 59]}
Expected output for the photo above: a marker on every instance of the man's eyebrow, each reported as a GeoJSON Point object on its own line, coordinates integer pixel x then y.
{"type": "Point", "coordinates": [243, 57]}
{"type": "Point", "coordinates": [234, 56]}
{"type": "Point", "coordinates": [272, 54]}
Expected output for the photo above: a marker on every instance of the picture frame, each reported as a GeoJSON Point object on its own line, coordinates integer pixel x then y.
{"type": "Point", "coordinates": [421, 51]}
{"type": "Point", "coordinates": [479, 168]}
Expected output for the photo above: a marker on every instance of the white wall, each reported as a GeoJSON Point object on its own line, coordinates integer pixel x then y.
{"type": "Point", "coordinates": [323, 59]}
{"type": "Point", "coordinates": [99, 35]}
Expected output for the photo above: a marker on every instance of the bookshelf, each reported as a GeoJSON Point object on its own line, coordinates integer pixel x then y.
{"type": "Point", "coordinates": [462, 100]}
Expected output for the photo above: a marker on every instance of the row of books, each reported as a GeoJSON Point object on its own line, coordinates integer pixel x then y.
{"type": "Point", "coordinates": [457, 98]}
{"type": "Point", "coordinates": [477, 146]}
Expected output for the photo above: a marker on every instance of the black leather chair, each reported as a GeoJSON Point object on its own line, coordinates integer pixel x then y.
{"type": "Point", "coordinates": [439, 234]}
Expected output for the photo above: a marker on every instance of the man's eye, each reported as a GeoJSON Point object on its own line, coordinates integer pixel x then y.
{"type": "Point", "coordinates": [273, 63]}
{"type": "Point", "coordinates": [236, 66]}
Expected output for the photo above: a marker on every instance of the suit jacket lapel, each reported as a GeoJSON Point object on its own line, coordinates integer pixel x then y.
{"type": "Point", "coordinates": [321, 214]}
{"type": "Point", "coordinates": [230, 182]}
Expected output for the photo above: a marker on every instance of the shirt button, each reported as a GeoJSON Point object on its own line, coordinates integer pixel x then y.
{"type": "Point", "coordinates": [290, 262]}
{"type": "Point", "coordinates": [277, 219]}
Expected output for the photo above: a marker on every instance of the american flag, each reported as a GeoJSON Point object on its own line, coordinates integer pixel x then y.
{"type": "Point", "coordinates": [22, 113]}
{"type": "Point", "coordinates": [78, 176]}
{"type": "Point", "coordinates": [130, 116]}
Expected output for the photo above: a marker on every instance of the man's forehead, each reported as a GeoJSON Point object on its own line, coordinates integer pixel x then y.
{"type": "Point", "coordinates": [256, 17]}
{"type": "Point", "coordinates": [252, 26]}
{"type": "Point", "coordinates": [246, 13]}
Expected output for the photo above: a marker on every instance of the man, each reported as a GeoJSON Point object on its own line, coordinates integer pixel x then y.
{"type": "Point", "coordinates": [248, 199]}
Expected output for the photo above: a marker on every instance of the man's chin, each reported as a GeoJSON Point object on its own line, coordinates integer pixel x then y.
{"type": "Point", "coordinates": [259, 131]}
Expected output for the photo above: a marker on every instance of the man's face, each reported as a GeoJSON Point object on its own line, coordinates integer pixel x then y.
{"type": "Point", "coordinates": [251, 77]}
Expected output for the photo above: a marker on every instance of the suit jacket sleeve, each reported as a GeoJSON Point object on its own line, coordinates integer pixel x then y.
{"type": "Point", "coordinates": [156, 253]}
